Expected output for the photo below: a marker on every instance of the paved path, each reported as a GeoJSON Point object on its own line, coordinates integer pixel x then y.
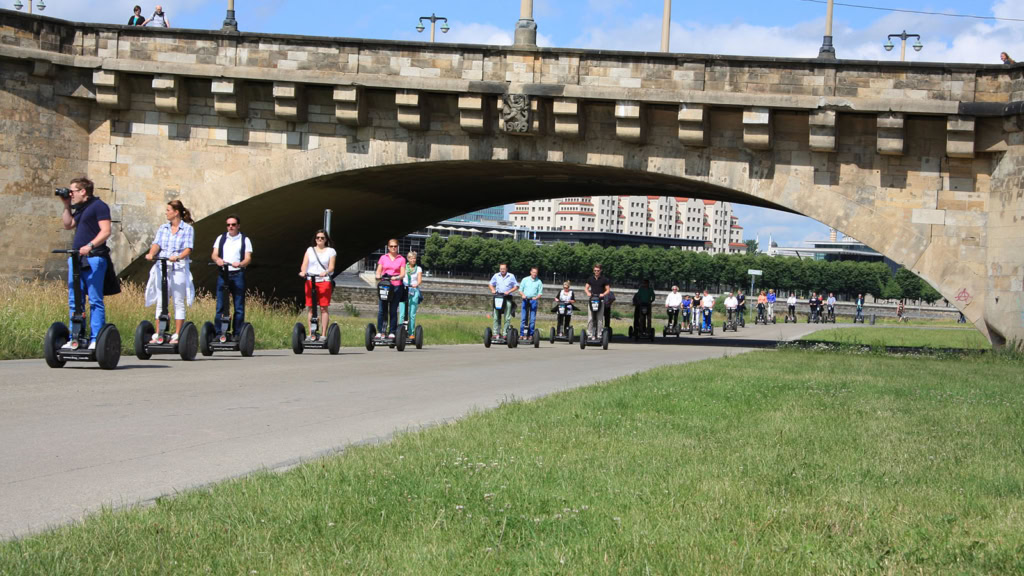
{"type": "Point", "coordinates": [75, 439]}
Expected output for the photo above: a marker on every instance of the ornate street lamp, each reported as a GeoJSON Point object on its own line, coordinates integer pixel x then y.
{"type": "Point", "coordinates": [230, 25]}
{"type": "Point", "coordinates": [433, 20]}
{"type": "Point", "coordinates": [903, 36]}
{"type": "Point", "coordinates": [18, 5]}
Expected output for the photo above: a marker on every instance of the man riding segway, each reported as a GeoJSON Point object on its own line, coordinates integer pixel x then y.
{"type": "Point", "coordinates": [741, 309]}
{"type": "Point", "coordinates": [597, 288]}
{"type": "Point", "coordinates": [232, 253]}
{"type": "Point", "coordinates": [673, 303]}
{"type": "Point", "coordinates": [731, 309]}
{"type": "Point", "coordinates": [503, 285]}
{"type": "Point", "coordinates": [707, 304]}
{"type": "Point", "coordinates": [531, 289]}
{"type": "Point", "coordinates": [643, 300]}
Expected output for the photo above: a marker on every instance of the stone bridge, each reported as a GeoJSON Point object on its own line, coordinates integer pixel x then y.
{"type": "Point", "coordinates": [923, 162]}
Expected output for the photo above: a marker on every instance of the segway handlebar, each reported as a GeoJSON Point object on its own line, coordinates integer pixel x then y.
{"type": "Point", "coordinates": [64, 251]}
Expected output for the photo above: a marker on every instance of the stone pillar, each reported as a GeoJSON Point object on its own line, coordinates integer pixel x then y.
{"type": "Point", "coordinates": [757, 128]}
{"type": "Point", "coordinates": [289, 101]}
{"type": "Point", "coordinates": [229, 98]}
{"type": "Point", "coordinates": [890, 134]}
{"type": "Point", "coordinates": [412, 112]}
{"type": "Point", "coordinates": [111, 92]}
{"type": "Point", "coordinates": [526, 28]}
{"type": "Point", "coordinates": [823, 131]}
{"type": "Point", "coordinates": [960, 137]}
{"type": "Point", "coordinates": [475, 113]}
{"type": "Point", "coordinates": [629, 121]}
{"type": "Point", "coordinates": [170, 93]}
{"type": "Point", "coordinates": [568, 114]}
{"type": "Point", "coordinates": [693, 124]}
{"type": "Point", "coordinates": [350, 105]}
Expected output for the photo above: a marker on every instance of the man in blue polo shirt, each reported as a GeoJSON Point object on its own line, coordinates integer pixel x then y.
{"type": "Point", "coordinates": [503, 284]}
{"type": "Point", "coordinates": [531, 289]}
{"type": "Point", "coordinates": [89, 217]}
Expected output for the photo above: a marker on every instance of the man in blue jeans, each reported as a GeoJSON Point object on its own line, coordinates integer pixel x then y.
{"type": "Point", "coordinates": [90, 219]}
{"type": "Point", "coordinates": [503, 284]}
{"type": "Point", "coordinates": [531, 289]}
{"type": "Point", "coordinates": [234, 250]}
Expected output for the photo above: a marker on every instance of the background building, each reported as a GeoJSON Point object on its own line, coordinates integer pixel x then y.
{"type": "Point", "coordinates": [492, 214]}
{"type": "Point", "coordinates": [707, 221]}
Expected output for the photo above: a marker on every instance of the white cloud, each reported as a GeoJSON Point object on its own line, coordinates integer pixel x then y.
{"type": "Point", "coordinates": [476, 33]}
{"type": "Point", "coordinates": [782, 227]}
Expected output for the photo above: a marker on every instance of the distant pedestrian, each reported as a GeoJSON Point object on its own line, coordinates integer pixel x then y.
{"type": "Point", "coordinates": [137, 19]}
{"type": "Point", "coordinates": [900, 309]}
{"type": "Point", "coordinates": [1006, 59]}
{"type": "Point", "coordinates": [159, 18]}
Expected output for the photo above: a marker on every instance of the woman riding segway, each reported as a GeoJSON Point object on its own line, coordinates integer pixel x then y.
{"type": "Point", "coordinates": [316, 271]}
{"type": "Point", "coordinates": [411, 280]}
{"type": "Point", "coordinates": [564, 304]}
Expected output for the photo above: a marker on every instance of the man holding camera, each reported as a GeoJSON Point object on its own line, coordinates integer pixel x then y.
{"type": "Point", "coordinates": [89, 217]}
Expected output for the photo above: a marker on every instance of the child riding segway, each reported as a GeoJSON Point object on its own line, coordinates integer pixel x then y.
{"type": "Point", "coordinates": [564, 305]}
{"type": "Point", "coordinates": [411, 280]}
{"type": "Point", "coordinates": [61, 344]}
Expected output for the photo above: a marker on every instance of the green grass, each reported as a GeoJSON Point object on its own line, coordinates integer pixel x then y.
{"type": "Point", "coordinates": [776, 462]}
{"type": "Point", "coordinates": [870, 336]}
{"type": "Point", "coordinates": [28, 309]}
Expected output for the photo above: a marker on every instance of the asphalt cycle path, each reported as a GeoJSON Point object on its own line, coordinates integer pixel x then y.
{"type": "Point", "coordinates": [80, 438]}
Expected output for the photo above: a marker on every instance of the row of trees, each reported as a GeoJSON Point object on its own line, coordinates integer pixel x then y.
{"type": "Point", "coordinates": [628, 266]}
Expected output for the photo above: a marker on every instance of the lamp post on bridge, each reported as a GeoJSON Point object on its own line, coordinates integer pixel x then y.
{"type": "Point", "coordinates": [526, 28]}
{"type": "Point", "coordinates": [230, 25]}
{"type": "Point", "coordinates": [666, 23]}
{"type": "Point", "coordinates": [433, 20]}
{"type": "Point", "coordinates": [827, 50]}
{"type": "Point", "coordinates": [18, 5]}
{"type": "Point", "coordinates": [903, 36]}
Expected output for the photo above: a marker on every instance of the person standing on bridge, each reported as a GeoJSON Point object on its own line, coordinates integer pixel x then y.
{"type": "Point", "coordinates": [392, 265]}
{"type": "Point", "coordinates": [234, 250]}
{"type": "Point", "coordinates": [89, 217]}
{"type": "Point", "coordinates": [599, 286]}
{"type": "Point", "coordinates": [136, 19]}
{"type": "Point", "coordinates": [174, 241]}
{"type": "Point", "coordinates": [503, 283]}
{"type": "Point", "coordinates": [531, 289]}
{"type": "Point", "coordinates": [319, 261]}
{"type": "Point", "coordinates": [159, 18]}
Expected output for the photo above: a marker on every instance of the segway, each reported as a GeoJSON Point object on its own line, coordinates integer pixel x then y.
{"type": "Point", "coordinates": [639, 329]}
{"type": "Point", "coordinates": [511, 337]}
{"type": "Point", "coordinates": [315, 340]}
{"type": "Point", "coordinates": [188, 339]}
{"type": "Point", "coordinates": [672, 328]}
{"type": "Point", "coordinates": [731, 323]}
{"type": "Point", "coordinates": [108, 342]}
{"type": "Point", "coordinates": [831, 316]}
{"type": "Point", "coordinates": [690, 318]}
{"type": "Point", "coordinates": [416, 338]}
{"type": "Point", "coordinates": [606, 334]}
{"type": "Point", "coordinates": [371, 339]}
{"type": "Point", "coordinates": [705, 326]}
{"type": "Point", "coordinates": [762, 317]}
{"type": "Point", "coordinates": [790, 315]}
{"type": "Point", "coordinates": [562, 331]}
{"type": "Point", "coordinates": [534, 337]}
{"type": "Point", "coordinates": [241, 340]}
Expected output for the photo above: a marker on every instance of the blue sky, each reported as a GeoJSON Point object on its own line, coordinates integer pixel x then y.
{"type": "Point", "coordinates": [746, 27]}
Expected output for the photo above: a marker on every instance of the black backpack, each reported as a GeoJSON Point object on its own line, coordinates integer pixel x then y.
{"type": "Point", "coordinates": [223, 239]}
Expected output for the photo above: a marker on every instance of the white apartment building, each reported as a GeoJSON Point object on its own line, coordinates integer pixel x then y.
{"type": "Point", "coordinates": [660, 216]}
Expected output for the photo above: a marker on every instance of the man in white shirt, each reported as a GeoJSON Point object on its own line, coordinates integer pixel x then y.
{"type": "Point", "coordinates": [234, 251]}
{"type": "Point", "coordinates": [672, 303]}
{"type": "Point", "coordinates": [791, 302]}
{"type": "Point", "coordinates": [731, 302]}
{"type": "Point", "coordinates": [707, 304]}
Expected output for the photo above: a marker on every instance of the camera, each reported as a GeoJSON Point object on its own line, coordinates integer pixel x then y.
{"type": "Point", "coordinates": [62, 192]}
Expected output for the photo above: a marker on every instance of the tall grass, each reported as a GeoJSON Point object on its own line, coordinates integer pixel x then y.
{"type": "Point", "coordinates": [915, 337]}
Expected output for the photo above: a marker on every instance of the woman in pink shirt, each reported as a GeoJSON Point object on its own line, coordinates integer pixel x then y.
{"type": "Point", "coordinates": [390, 264]}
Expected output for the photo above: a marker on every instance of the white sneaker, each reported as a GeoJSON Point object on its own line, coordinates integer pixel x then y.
{"type": "Point", "coordinates": [92, 345]}
{"type": "Point", "coordinates": [174, 338]}
{"type": "Point", "coordinates": [67, 345]}
{"type": "Point", "coordinates": [154, 339]}
{"type": "Point", "coordinates": [391, 336]}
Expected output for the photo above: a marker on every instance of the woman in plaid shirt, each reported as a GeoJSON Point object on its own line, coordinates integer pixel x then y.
{"type": "Point", "coordinates": [174, 241]}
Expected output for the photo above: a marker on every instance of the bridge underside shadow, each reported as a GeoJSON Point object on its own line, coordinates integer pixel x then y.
{"type": "Point", "coordinates": [375, 204]}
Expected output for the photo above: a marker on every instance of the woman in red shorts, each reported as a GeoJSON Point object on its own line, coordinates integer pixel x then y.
{"type": "Point", "coordinates": [319, 260]}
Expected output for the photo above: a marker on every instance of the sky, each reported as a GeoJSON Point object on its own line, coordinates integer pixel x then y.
{"type": "Point", "coordinates": [792, 28]}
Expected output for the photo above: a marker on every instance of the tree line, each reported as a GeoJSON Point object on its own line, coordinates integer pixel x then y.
{"type": "Point", "coordinates": [664, 267]}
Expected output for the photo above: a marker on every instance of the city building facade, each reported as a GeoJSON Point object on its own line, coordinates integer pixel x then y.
{"type": "Point", "coordinates": [711, 223]}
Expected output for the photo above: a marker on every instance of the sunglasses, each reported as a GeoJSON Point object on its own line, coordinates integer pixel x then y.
{"type": "Point", "coordinates": [392, 245]}
{"type": "Point", "coordinates": [321, 237]}
{"type": "Point", "coordinates": [232, 224]}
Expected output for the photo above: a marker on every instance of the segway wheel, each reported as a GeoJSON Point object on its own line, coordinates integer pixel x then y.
{"type": "Point", "coordinates": [664, 332]}
{"type": "Point", "coordinates": [206, 336]}
{"type": "Point", "coordinates": [143, 334]}
{"type": "Point", "coordinates": [711, 330]}
{"type": "Point", "coordinates": [651, 335]}
{"type": "Point", "coordinates": [569, 334]}
{"type": "Point", "coordinates": [536, 339]}
{"type": "Point", "coordinates": [583, 340]}
{"type": "Point", "coordinates": [246, 340]}
{"type": "Point", "coordinates": [606, 336]}
{"type": "Point", "coordinates": [419, 337]}
{"type": "Point", "coordinates": [551, 339]}
{"type": "Point", "coordinates": [333, 339]}
{"type": "Point", "coordinates": [400, 338]}
{"type": "Point", "coordinates": [487, 337]}
{"type": "Point", "coordinates": [512, 338]}
{"type": "Point", "coordinates": [368, 336]}
{"type": "Point", "coordinates": [188, 341]}
{"type": "Point", "coordinates": [631, 332]}
{"type": "Point", "coordinates": [773, 321]}
{"type": "Point", "coordinates": [298, 337]}
{"type": "Point", "coordinates": [56, 336]}
{"type": "Point", "coordinates": [108, 347]}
